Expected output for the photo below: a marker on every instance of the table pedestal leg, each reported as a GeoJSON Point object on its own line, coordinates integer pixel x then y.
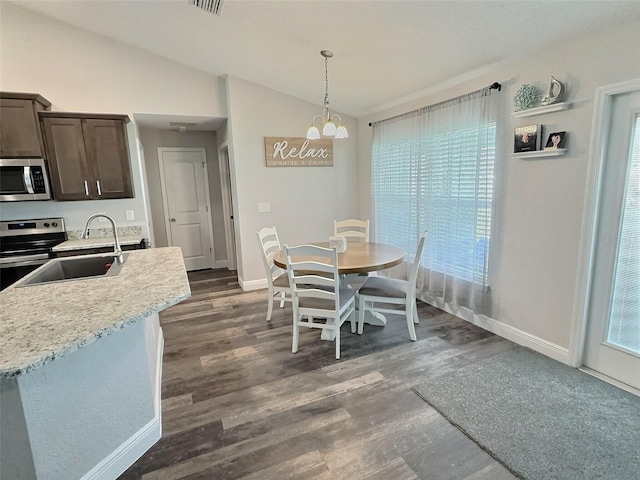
{"type": "Point", "coordinates": [375, 318]}
{"type": "Point", "coordinates": [371, 318]}
{"type": "Point", "coordinates": [328, 334]}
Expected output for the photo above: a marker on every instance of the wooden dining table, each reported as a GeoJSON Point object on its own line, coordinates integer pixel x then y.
{"type": "Point", "coordinates": [360, 257]}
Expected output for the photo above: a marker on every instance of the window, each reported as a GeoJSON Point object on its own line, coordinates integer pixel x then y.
{"type": "Point", "coordinates": [436, 172]}
{"type": "Point", "coordinates": [624, 323]}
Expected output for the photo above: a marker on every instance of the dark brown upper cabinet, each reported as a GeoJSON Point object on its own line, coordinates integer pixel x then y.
{"type": "Point", "coordinates": [88, 155]}
{"type": "Point", "coordinates": [19, 129]}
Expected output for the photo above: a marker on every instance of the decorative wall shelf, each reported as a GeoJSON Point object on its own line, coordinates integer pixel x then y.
{"type": "Point", "coordinates": [555, 107]}
{"type": "Point", "coordinates": [541, 153]}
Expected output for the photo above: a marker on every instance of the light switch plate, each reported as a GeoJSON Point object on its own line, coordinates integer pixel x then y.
{"type": "Point", "coordinates": [129, 214]}
{"type": "Point", "coordinates": [264, 207]}
{"type": "Point", "coordinates": [102, 219]}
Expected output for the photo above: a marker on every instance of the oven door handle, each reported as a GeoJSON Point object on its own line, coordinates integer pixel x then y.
{"type": "Point", "coordinates": [24, 261]}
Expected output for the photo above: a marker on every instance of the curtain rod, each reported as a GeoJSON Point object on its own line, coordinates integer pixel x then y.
{"type": "Point", "coordinates": [493, 86]}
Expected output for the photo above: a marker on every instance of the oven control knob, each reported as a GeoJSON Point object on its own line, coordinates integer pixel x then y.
{"type": "Point", "coordinates": [46, 224]}
{"type": "Point", "coordinates": [54, 224]}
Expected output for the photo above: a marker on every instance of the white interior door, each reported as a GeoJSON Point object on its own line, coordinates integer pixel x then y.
{"type": "Point", "coordinates": [613, 333]}
{"type": "Point", "coordinates": [185, 190]}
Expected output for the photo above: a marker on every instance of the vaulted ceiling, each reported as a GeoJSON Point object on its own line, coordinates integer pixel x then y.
{"type": "Point", "coordinates": [385, 51]}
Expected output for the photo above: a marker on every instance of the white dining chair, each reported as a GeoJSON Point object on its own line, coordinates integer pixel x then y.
{"type": "Point", "coordinates": [277, 279]}
{"type": "Point", "coordinates": [317, 292]}
{"type": "Point", "coordinates": [352, 229]}
{"type": "Point", "coordinates": [377, 290]}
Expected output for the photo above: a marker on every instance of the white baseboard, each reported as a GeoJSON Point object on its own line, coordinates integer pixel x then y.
{"type": "Point", "coordinates": [503, 330]}
{"type": "Point", "coordinates": [523, 338]}
{"type": "Point", "coordinates": [253, 284]}
{"type": "Point", "coordinates": [133, 448]}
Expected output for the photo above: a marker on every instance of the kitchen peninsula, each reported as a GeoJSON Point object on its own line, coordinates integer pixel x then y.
{"type": "Point", "coordinates": [80, 369]}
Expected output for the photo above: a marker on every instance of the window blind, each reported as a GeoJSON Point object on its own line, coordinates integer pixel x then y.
{"type": "Point", "coordinates": [443, 183]}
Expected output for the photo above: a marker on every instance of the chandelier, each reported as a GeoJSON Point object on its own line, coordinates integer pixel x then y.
{"type": "Point", "coordinates": [329, 129]}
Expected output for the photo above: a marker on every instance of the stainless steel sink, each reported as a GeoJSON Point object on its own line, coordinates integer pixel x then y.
{"type": "Point", "coordinates": [73, 268]}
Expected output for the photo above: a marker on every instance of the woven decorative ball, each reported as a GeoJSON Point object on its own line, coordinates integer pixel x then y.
{"type": "Point", "coordinates": [526, 97]}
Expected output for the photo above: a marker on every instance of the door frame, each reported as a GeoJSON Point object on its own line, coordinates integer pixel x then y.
{"type": "Point", "coordinates": [602, 110]}
{"type": "Point", "coordinates": [227, 204]}
{"type": "Point", "coordinates": [165, 203]}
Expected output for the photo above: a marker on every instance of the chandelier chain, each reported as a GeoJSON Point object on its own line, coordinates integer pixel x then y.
{"type": "Point", "coordinates": [326, 84]}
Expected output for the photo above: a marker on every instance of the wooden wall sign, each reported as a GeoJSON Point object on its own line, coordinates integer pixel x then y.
{"type": "Point", "coordinates": [298, 152]}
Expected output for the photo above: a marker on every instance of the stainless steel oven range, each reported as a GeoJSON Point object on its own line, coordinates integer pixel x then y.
{"type": "Point", "coordinates": [25, 245]}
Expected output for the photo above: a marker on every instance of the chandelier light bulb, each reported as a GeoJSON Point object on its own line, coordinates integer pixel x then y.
{"type": "Point", "coordinates": [341, 132]}
{"type": "Point", "coordinates": [313, 133]}
{"type": "Point", "coordinates": [329, 129]}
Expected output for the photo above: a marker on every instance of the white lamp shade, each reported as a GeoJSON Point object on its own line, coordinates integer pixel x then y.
{"type": "Point", "coordinates": [313, 133]}
{"type": "Point", "coordinates": [341, 132]}
{"type": "Point", "coordinates": [329, 129]}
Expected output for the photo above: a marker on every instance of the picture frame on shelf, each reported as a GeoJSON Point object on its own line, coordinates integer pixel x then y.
{"type": "Point", "coordinates": [555, 141]}
{"type": "Point", "coordinates": [527, 138]}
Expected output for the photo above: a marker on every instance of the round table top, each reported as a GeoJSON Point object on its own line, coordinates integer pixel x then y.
{"type": "Point", "coordinates": [360, 257]}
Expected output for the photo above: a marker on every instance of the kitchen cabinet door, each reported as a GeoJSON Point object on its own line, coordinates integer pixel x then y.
{"type": "Point", "coordinates": [107, 153]}
{"type": "Point", "coordinates": [70, 172]}
{"type": "Point", "coordinates": [19, 129]}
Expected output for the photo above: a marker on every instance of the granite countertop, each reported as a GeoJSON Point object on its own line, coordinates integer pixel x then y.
{"type": "Point", "coordinates": [43, 322]}
{"type": "Point", "coordinates": [79, 244]}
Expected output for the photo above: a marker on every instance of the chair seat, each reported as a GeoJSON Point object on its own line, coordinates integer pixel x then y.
{"type": "Point", "coordinates": [281, 281]}
{"type": "Point", "coordinates": [384, 287]}
{"type": "Point", "coordinates": [346, 294]}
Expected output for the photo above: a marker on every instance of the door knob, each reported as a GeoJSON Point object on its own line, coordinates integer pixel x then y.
{"type": "Point", "coordinates": [172, 220]}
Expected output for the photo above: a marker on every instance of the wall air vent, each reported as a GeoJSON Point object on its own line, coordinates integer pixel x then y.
{"type": "Point", "coordinates": [211, 6]}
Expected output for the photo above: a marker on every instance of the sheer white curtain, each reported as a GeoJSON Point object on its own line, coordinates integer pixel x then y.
{"type": "Point", "coordinates": [433, 169]}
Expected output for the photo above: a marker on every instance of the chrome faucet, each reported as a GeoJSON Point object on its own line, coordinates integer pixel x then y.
{"type": "Point", "coordinates": [117, 250]}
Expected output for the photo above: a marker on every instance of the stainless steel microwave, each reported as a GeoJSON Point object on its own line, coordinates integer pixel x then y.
{"type": "Point", "coordinates": [23, 179]}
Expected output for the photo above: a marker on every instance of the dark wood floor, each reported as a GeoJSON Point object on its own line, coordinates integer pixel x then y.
{"type": "Point", "coordinates": [237, 404]}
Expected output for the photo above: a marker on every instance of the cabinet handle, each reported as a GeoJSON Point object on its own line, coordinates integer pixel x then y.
{"type": "Point", "coordinates": [172, 220]}
{"type": "Point", "coordinates": [86, 188]}
{"type": "Point", "coordinates": [99, 189]}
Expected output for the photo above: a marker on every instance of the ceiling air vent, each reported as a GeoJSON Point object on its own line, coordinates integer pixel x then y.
{"type": "Point", "coordinates": [211, 6]}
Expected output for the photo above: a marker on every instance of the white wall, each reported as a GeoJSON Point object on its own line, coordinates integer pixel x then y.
{"type": "Point", "coordinates": [540, 202]}
{"type": "Point", "coordinates": [304, 200]}
{"type": "Point", "coordinates": [83, 72]}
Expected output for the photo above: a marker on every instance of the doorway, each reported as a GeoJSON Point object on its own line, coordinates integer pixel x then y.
{"type": "Point", "coordinates": [612, 344]}
{"type": "Point", "coordinates": [185, 196]}
{"type": "Point", "coordinates": [227, 206]}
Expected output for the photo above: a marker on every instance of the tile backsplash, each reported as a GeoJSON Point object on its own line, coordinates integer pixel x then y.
{"type": "Point", "coordinates": [105, 232]}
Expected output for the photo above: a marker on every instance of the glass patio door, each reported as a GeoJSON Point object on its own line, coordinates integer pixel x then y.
{"type": "Point", "coordinates": [613, 332]}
